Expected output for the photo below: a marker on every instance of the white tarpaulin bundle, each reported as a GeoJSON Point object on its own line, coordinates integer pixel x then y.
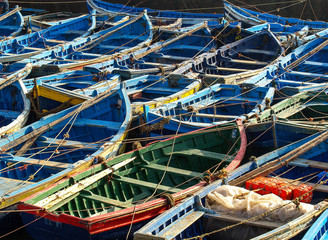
{"type": "Point", "coordinates": [244, 203]}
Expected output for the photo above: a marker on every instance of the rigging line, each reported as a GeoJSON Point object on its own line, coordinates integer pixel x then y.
{"type": "Point", "coordinates": [241, 222]}
{"type": "Point", "coordinates": [49, 145]}
{"type": "Point", "coordinates": [48, 159]}
{"type": "Point", "coordinates": [280, 8]}
{"type": "Point", "coordinates": [61, 2]}
{"type": "Point", "coordinates": [200, 51]}
{"type": "Point", "coordinates": [43, 149]}
{"type": "Point", "coordinates": [159, 183]}
{"type": "Point", "coordinates": [261, 11]}
{"type": "Point", "coordinates": [104, 55]}
{"type": "Point", "coordinates": [313, 10]}
{"type": "Point", "coordinates": [213, 7]}
{"type": "Point", "coordinates": [299, 19]}
{"type": "Point", "coordinates": [167, 165]}
{"type": "Point", "coordinates": [25, 225]}
{"type": "Point", "coordinates": [210, 169]}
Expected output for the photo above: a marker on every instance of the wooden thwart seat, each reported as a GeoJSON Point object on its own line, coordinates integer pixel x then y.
{"type": "Point", "coordinates": [259, 51]}
{"type": "Point", "coordinates": [97, 123]}
{"type": "Point", "coordinates": [32, 161]}
{"type": "Point", "coordinates": [147, 184]}
{"type": "Point", "coordinates": [173, 170]}
{"type": "Point", "coordinates": [309, 163]}
{"type": "Point", "coordinates": [76, 32]}
{"type": "Point", "coordinates": [33, 48]}
{"type": "Point", "coordinates": [7, 184]}
{"type": "Point", "coordinates": [248, 62]}
{"type": "Point", "coordinates": [203, 154]}
{"type": "Point", "coordinates": [181, 225]}
{"type": "Point", "coordinates": [9, 113]}
{"type": "Point", "coordinates": [94, 197]}
{"type": "Point", "coordinates": [157, 90]}
{"type": "Point", "coordinates": [309, 74]}
{"type": "Point", "coordinates": [317, 64]}
{"type": "Point", "coordinates": [70, 143]}
{"type": "Point", "coordinates": [55, 41]}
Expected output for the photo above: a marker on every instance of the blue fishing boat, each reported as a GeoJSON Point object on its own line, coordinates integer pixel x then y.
{"type": "Point", "coordinates": [305, 107]}
{"type": "Point", "coordinates": [28, 45]}
{"type": "Point", "coordinates": [251, 18]}
{"type": "Point", "coordinates": [11, 23]}
{"type": "Point", "coordinates": [58, 91]}
{"type": "Point", "coordinates": [160, 57]}
{"type": "Point", "coordinates": [303, 69]}
{"type": "Point", "coordinates": [123, 38]}
{"type": "Point", "coordinates": [235, 62]}
{"type": "Point", "coordinates": [15, 106]}
{"type": "Point", "coordinates": [319, 228]}
{"type": "Point", "coordinates": [71, 80]}
{"type": "Point", "coordinates": [211, 106]}
{"type": "Point", "coordinates": [158, 16]}
{"type": "Point", "coordinates": [197, 218]}
{"type": "Point", "coordinates": [58, 145]}
{"type": "Point", "coordinates": [133, 194]}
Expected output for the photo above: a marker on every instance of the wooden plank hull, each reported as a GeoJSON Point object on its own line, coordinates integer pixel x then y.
{"type": "Point", "coordinates": [304, 69]}
{"type": "Point", "coordinates": [11, 23]}
{"type": "Point", "coordinates": [108, 44]}
{"type": "Point", "coordinates": [235, 62]}
{"type": "Point", "coordinates": [20, 47]}
{"type": "Point", "coordinates": [319, 228]}
{"type": "Point", "coordinates": [152, 91]}
{"type": "Point", "coordinates": [100, 224]}
{"type": "Point", "coordinates": [15, 107]}
{"type": "Point", "coordinates": [189, 218]}
{"type": "Point", "coordinates": [215, 105]}
{"type": "Point", "coordinates": [156, 15]}
{"type": "Point", "coordinates": [75, 151]}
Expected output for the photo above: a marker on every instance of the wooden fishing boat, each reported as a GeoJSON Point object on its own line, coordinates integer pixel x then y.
{"type": "Point", "coordinates": [59, 145]}
{"type": "Point", "coordinates": [157, 16]}
{"type": "Point", "coordinates": [160, 57]}
{"type": "Point", "coordinates": [211, 106]}
{"type": "Point", "coordinates": [251, 18]}
{"type": "Point", "coordinates": [11, 23]}
{"type": "Point", "coordinates": [235, 62]}
{"type": "Point", "coordinates": [123, 38]}
{"type": "Point", "coordinates": [70, 80]}
{"type": "Point", "coordinates": [194, 219]}
{"type": "Point", "coordinates": [149, 90]}
{"type": "Point", "coordinates": [304, 107]}
{"type": "Point", "coordinates": [49, 19]}
{"type": "Point", "coordinates": [128, 190]}
{"type": "Point", "coordinates": [319, 228]}
{"type": "Point", "coordinates": [15, 106]}
{"type": "Point", "coordinates": [28, 45]}
{"type": "Point", "coordinates": [303, 69]}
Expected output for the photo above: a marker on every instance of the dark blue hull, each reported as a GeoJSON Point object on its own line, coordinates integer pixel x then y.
{"type": "Point", "coordinates": [44, 229]}
{"type": "Point", "coordinates": [9, 220]}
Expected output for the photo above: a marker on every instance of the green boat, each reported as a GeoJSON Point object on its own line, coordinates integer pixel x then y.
{"type": "Point", "coordinates": [304, 107]}
{"type": "Point", "coordinates": [128, 190]}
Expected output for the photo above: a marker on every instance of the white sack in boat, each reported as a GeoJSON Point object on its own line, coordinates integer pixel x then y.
{"type": "Point", "coordinates": [244, 203]}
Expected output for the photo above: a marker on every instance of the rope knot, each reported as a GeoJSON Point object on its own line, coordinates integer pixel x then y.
{"type": "Point", "coordinates": [169, 198]}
